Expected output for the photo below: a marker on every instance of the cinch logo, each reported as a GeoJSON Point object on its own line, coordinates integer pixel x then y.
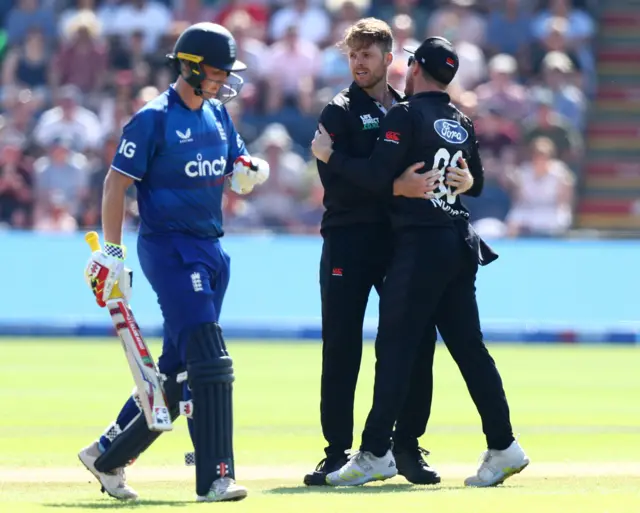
{"type": "Point", "coordinates": [200, 167]}
{"type": "Point", "coordinates": [451, 131]}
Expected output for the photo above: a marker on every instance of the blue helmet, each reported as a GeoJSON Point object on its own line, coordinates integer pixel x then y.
{"type": "Point", "coordinates": [213, 45]}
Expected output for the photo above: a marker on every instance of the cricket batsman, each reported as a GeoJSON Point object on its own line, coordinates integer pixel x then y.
{"type": "Point", "coordinates": [179, 150]}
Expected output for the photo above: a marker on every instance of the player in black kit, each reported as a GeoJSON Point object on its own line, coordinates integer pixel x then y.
{"type": "Point", "coordinates": [432, 274]}
{"type": "Point", "coordinates": [356, 252]}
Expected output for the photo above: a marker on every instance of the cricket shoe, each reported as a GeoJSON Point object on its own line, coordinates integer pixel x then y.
{"type": "Point", "coordinates": [413, 467]}
{"type": "Point", "coordinates": [496, 466]}
{"type": "Point", "coordinates": [362, 468]}
{"type": "Point", "coordinates": [224, 489]}
{"type": "Point", "coordinates": [113, 483]}
{"type": "Point", "coordinates": [327, 465]}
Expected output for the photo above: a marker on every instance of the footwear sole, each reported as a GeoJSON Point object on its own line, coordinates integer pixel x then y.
{"type": "Point", "coordinates": [234, 496]}
{"type": "Point", "coordinates": [507, 475]}
{"type": "Point", "coordinates": [434, 481]}
{"type": "Point", "coordinates": [315, 480]}
{"type": "Point", "coordinates": [102, 488]}
{"type": "Point", "coordinates": [362, 482]}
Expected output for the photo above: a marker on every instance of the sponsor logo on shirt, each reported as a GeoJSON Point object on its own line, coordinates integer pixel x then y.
{"type": "Point", "coordinates": [451, 131]}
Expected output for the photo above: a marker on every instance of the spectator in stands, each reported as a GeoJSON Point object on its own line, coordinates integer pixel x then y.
{"type": "Point", "coordinates": [240, 215]}
{"type": "Point", "coordinates": [313, 23]}
{"type": "Point", "coordinates": [334, 73]}
{"type": "Point", "coordinates": [403, 36]}
{"type": "Point", "coordinates": [509, 29]}
{"type": "Point", "coordinates": [27, 15]}
{"type": "Point", "coordinates": [71, 121]}
{"type": "Point", "coordinates": [253, 52]}
{"type": "Point", "coordinates": [257, 10]}
{"type": "Point", "coordinates": [418, 10]}
{"type": "Point", "coordinates": [248, 131]}
{"type": "Point", "coordinates": [543, 194]}
{"type": "Point", "coordinates": [70, 76]}
{"type": "Point", "coordinates": [16, 196]}
{"type": "Point", "coordinates": [499, 157]}
{"type": "Point", "coordinates": [346, 14]}
{"type": "Point", "coordinates": [502, 92]}
{"type": "Point", "coordinates": [27, 65]}
{"type": "Point", "coordinates": [62, 170]}
{"type": "Point", "coordinates": [21, 107]}
{"type": "Point", "coordinates": [312, 208]}
{"type": "Point", "coordinates": [277, 202]}
{"type": "Point", "coordinates": [151, 18]}
{"type": "Point", "coordinates": [292, 84]}
{"type": "Point", "coordinates": [82, 44]}
{"type": "Point", "coordinates": [194, 11]}
{"type": "Point", "coordinates": [582, 59]}
{"type": "Point", "coordinates": [545, 122]}
{"type": "Point", "coordinates": [116, 109]}
{"type": "Point", "coordinates": [460, 21]}
{"type": "Point", "coordinates": [465, 28]}
{"type": "Point", "coordinates": [55, 215]}
{"type": "Point", "coordinates": [581, 26]}
{"type": "Point", "coordinates": [568, 100]}
{"type": "Point", "coordinates": [70, 13]}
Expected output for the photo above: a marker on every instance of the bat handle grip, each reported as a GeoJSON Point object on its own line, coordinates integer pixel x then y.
{"type": "Point", "coordinates": [93, 240]}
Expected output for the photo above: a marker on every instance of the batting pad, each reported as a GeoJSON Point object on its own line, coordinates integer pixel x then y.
{"type": "Point", "coordinates": [210, 378]}
{"type": "Point", "coordinates": [136, 438]}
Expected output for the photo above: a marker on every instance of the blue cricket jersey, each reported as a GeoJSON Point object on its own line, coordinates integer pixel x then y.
{"type": "Point", "coordinates": [179, 159]}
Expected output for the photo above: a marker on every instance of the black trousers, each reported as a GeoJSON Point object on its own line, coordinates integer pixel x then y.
{"type": "Point", "coordinates": [431, 278]}
{"type": "Point", "coordinates": [355, 259]}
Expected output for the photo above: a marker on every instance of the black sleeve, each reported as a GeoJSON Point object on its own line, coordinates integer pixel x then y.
{"type": "Point", "coordinates": [475, 164]}
{"type": "Point", "coordinates": [377, 173]}
{"type": "Point", "coordinates": [335, 119]}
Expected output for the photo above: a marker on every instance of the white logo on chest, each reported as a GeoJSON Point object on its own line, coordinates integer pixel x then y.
{"type": "Point", "coordinates": [369, 122]}
{"type": "Point", "coordinates": [201, 167]}
{"type": "Point", "coordinates": [184, 137]}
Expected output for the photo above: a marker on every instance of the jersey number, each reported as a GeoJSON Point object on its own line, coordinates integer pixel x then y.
{"type": "Point", "coordinates": [449, 161]}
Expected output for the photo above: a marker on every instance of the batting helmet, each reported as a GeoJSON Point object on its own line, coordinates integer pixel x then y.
{"type": "Point", "coordinates": [213, 45]}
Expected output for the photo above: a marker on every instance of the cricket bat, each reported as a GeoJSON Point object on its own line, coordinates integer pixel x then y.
{"type": "Point", "coordinates": [150, 390]}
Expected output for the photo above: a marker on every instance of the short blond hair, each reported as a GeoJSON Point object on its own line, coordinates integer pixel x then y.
{"type": "Point", "coordinates": [367, 32]}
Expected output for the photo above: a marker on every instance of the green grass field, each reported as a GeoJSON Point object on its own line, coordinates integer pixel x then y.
{"type": "Point", "coordinates": [576, 409]}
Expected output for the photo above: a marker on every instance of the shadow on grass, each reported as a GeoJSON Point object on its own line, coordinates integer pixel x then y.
{"type": "Point", "coordinates": [346, 490]}
{"type": "Point", "coordinates": [116, 505]}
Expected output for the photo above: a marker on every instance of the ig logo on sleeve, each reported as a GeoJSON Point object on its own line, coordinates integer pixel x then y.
{"type": "Point", "coordinates": [127, 148]}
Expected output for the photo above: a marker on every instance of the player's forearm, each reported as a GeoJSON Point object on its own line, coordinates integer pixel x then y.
{"type": "Point", "coordinates": [363, 173]}
{"type": "Point", "coordinates": [113, 202]}
{"type": "Point", "coordinates": [478, 185]}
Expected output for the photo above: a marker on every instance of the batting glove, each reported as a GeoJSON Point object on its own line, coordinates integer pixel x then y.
{"type": "Point", "coordinates": [247, 173]}
{"type": "Point", "coordinates": [104, 269]}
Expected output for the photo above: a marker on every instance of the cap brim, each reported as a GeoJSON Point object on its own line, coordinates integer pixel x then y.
{"type": "Point", "coordinates": [410, 49]}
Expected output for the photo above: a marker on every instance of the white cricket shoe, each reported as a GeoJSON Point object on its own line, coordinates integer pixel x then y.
{"type": "Point", "coordinates": [113, 483]}
{"type": "Point", "coordinates": [496, 466]}
{"type": "Point", "coordinates": [362, 468]}
{"type": "Point", "coordinates": [224, 489]}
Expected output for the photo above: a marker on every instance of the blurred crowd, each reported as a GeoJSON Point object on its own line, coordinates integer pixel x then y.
{"type": "Point", "coordinates": [74, 71]}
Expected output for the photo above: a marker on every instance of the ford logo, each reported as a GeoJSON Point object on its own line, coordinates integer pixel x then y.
{"type": "Point", "coordinates": [451, 131]}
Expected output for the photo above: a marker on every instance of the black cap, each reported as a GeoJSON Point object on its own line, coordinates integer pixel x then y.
{"type": "Point", "coordinates": [438, 58]}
